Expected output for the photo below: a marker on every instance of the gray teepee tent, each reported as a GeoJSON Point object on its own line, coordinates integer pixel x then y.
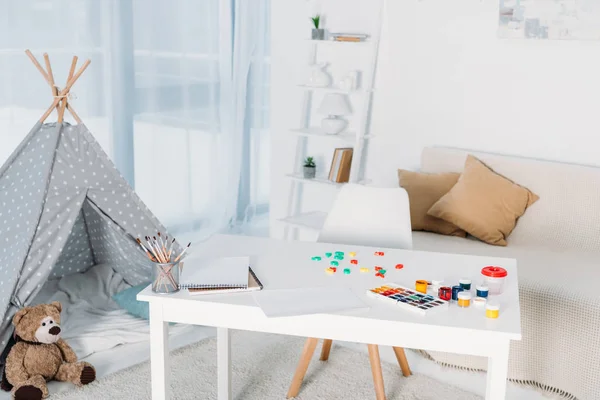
{"type": "Point", "coordinates": [65, 208]}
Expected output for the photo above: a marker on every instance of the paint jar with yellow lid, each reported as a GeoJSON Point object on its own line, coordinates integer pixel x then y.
{"type": "Point", "coordinates": [464, 299]}
{"type": "Point", "coordinates": [492, 310]}
{"type": "Point", "coordinates": [421, 286]}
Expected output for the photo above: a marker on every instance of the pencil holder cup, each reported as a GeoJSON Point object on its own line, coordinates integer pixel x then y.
{"type": "Point", "coordinates": [165, 277]}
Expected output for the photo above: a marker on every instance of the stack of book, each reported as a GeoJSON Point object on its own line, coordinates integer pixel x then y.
{"type": "Point", "coordinates": [349, 37]}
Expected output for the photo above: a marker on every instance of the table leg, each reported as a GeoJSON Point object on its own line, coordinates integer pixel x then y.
{"type": "Point", "coordinates": [402, 361]}
{"type": "Point", "coordinates": [307, 353]}
{"type": "Point", "coordinates": [159, 353]}
{"type": "Point", "coordinates": [376, 371]}
{"type": "Point", "coordinates": [326, 349]}
{"type": "Point", "coordinates": [497, 372]}
{"type": "Point", "coordinates": [224, 363]}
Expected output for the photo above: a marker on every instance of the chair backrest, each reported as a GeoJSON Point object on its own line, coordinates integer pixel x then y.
{"type": "Point", "coordinates": [369, 216]}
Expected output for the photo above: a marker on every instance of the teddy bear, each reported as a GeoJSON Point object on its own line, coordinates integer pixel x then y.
{"type": "Point", "coordinates": [40, 355]}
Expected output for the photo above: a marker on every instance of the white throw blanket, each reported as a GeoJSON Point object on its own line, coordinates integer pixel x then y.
{"type": "Point", "coordinates": [90, 320]}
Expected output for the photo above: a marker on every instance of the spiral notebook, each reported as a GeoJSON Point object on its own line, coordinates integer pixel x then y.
{"type": "Point", "coordinates": [227, 273]}
{"type": "Point", "coordinates": [254, 285]}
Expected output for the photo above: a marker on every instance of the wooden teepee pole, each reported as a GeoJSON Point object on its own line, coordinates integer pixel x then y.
{"type": "Point", "coordinates": [65, 91]}
{"type": "Point", "coordinates": [61, 112]}
{"type": "Point", "coordinates": [62, 96]}
{"type": "Point", "coordinates": [37, 64]}
{"type": "Point", "coordinates": [50, 77]}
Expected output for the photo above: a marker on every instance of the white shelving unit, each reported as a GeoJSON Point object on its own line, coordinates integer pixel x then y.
{"type": "Point", "coordinates": [354, 137]}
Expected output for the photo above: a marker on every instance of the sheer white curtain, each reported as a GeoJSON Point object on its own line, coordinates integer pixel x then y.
{"type": "Point", "coordinates": [177, 92]}
{"type": "Point", "coordinates": [62, 29]}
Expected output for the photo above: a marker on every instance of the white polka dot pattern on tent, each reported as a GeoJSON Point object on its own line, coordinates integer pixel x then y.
{"type": "Point", "coordinates": [23, 180]}
{"type": "Point", "coordinates": [77, 254]}
{"type": "Point", "coordinates": [112, 246]}
{"type": "Point", "coordinates": [89, 215]}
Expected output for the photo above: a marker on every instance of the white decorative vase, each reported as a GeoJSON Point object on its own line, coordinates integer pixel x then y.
{"type": "Point", "coordinates": [333, 125]}
{"type": "Point", "coordinates": [318, 77]}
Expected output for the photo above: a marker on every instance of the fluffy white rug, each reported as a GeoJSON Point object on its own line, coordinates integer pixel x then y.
{"type": "Point", "coordinates": [263, 365]}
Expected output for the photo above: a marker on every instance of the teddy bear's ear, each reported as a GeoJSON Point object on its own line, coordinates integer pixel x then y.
{"type": "Point", "coordinates": [20, 314]}
{"type": "Point", "coordinates": [57, 305]}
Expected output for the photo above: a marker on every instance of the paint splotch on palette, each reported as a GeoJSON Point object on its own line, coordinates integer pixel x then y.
{"type": "Point", "coordinates": [408, 299]}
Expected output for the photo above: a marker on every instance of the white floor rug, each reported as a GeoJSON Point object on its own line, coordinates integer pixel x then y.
{"type": "Point", "coordinates": [262, 366]}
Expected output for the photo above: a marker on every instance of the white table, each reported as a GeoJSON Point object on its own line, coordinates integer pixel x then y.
{"type": "Point", "coordinates": [286, 265]}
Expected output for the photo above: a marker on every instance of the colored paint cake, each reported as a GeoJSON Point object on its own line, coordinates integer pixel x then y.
{"type": "Point", "coordinates": [408, 299]}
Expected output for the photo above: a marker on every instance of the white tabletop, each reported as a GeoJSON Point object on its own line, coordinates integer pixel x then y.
{"type": "Point", "coordinates": [287, 265]}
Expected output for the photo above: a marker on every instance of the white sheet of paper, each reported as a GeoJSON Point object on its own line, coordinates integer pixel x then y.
{"type": "Point", "coordinates": [216, 271]}
{"type": "Point", "coordinates": [303, 301]}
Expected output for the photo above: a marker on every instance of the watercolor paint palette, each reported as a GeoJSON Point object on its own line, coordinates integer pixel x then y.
{"type": "Point", "coordinates": [408, 299]}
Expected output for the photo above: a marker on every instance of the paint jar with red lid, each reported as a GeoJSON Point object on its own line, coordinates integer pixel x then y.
{"type": "Point", "coordinates": [445, 293]}
{"type": "Point", "coordinates": [493, 278]}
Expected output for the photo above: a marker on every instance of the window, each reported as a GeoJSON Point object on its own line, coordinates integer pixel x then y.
{"type": "Point", "coordinates": [158, 115]}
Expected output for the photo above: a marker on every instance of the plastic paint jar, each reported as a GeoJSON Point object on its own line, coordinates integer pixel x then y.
{"type": "Point", "coordinates": [455, 291]}
{"type": "Point", "coordinates": [482, 291]}
{"type": "Point", "coordinates": [421, 286]}
{"type": "Point", "coordinates": [479, 302]}
{"type": "Point", "coordinates": [464, 299]}
{"type": "Point", "coordinates": [445, 293]}
{"type": "Point", "coordinates": [465, 284]}
{"type": "Point", "coordinates": [492, 311]}
{"type": "Point", "coordinates": [493, 278]}
{"type": "Point", "coordinates": [436, 285]}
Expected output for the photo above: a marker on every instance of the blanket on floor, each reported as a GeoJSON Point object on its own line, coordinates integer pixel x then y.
{"type": "Point", "coordinates": [91, 320]}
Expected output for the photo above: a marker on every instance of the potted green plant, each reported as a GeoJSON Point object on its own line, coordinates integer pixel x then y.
{"type": "Point", "coordinates": [317, 32]}
{"type": "Point", "coordinates": [310, 169]}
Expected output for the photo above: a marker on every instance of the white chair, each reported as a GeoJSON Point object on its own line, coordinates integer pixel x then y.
{"type": "Point", "coordinates": [368, 216]}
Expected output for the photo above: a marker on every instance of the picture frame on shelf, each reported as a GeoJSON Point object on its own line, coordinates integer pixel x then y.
{"type": "Point", "coordinates": [340, 165]}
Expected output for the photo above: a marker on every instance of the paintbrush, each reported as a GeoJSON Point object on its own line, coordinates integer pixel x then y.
{"type": "Point", "coordinates": [149, 242]}
{"type": "Point", "coordinates": [145, 250]}
{"type": "Point", "coordinates": [161, 241]}
{"type": "Point", "coordinates": [171, 248]}
{"type": "Point", "coordinates": [162, 249]}
{"type": "Point", "coordinates": [183, 252]}
{"type": "Point", "coordinates": [165, 241]}
{"type": "Point", "coordinates": [157, 245]}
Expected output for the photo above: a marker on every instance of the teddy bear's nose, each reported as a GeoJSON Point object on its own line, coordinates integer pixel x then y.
{"type": "Point", "coordinates": [55, 330]}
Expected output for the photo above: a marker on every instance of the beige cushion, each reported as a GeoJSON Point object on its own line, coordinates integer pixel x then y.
{"type": "Point", "coordinates": [483, 203]}
{"type": "Point", "coordinates": [423, 191]}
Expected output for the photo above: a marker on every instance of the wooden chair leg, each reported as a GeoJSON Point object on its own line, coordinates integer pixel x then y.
{"type": "Point", "coordinates": [401, 357]}
{"type": "Point", "coordinates": [376, 371]}
{"type": "Point", "coordinates": [326, 349]}
{"type": "Point", "coordinates": [307, 353]}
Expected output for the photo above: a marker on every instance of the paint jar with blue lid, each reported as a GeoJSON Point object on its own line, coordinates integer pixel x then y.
{"type": "Point", "coordinates": [465, 284]}
{"type": "Point", "coordinates": [455, 291]}
{"type": "Point", "coordinates": [482, 291]}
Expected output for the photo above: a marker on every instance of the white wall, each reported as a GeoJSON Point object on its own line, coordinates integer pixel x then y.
{"type": "Point", "coordinates": [444, 78]}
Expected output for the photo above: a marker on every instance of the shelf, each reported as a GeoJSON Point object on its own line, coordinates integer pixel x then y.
{"type": "Point", "coordinates": [333, 89]}
{"type": "Point", "coordinates": [323, 181]}
{"type": "Point", "coordinates": [348, 136]}
{"type": "Point", "coordinates": [316, 132]}
{"type": "Point", "coordinates": [317, 180]}
{"type": "Point", "coordinates": [310, 220]}
{"type": "Point", "coordinates": [336, 42]}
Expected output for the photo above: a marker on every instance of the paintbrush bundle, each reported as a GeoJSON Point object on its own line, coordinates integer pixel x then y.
{"type": "Point", "coordinates": [168, 265]}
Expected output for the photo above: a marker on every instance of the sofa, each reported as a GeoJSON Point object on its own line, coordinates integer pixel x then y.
{"type": "Point", "coordinates": [556, 244]}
